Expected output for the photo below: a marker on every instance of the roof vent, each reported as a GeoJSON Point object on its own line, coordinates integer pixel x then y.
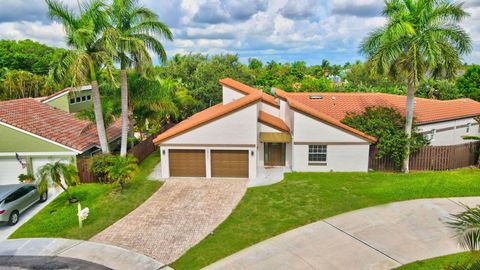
{"type": "Point", "coordinates": [315, 97]}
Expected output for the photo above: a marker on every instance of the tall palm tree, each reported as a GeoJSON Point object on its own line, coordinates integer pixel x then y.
{"type": "Point", "coordinates": [89, 51]}
{"type": "Point", "coordinates": [420, 37]}
{"type": "Point", "coordinates": [55, 172]}
{"type": "Point", "coordinates": [136, 30]}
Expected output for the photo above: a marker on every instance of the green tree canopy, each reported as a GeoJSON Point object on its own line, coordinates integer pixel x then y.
{"type": "Point", "coordinates": [469, 83]}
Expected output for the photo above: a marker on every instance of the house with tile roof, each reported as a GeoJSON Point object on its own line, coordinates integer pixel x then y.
{"type": "Point", "coordinates": [250, 130]}
{"type": "Point", "coordinates": [42, 130]}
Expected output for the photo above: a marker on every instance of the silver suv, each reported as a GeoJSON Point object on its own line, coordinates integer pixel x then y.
{"type": "Point", "coordinates": [15, 199]}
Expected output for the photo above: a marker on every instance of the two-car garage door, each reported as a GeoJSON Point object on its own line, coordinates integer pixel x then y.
{"type": "Point", "coordinates": [223, 163]}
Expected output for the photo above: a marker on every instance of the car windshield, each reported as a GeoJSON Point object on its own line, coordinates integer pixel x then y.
{"type": "Point", "coordinates": [6, 190]}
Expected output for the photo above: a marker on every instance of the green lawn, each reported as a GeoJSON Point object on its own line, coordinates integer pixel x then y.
{"type": "Point", "coordinates": [106, 203]}
{"type": "Point", "coordinates": [303, 198]}
{"type": "Point", "coordinates": [438, 262]}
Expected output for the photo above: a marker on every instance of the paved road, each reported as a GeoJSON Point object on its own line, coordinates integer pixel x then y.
{"type": "Point", "coordinates": [56, 253]}
{"type": "Point", "coordinates": [380, 237]}
{"type": "Point", "coordinates": [180, 214]}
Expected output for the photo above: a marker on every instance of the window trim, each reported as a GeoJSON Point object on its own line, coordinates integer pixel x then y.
{"type": "Point", "coordinates": [318, 162]}
{"type": "Point", "coordinates": [433, 132]}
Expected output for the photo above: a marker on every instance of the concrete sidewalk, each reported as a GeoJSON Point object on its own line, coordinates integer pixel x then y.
{"type": "Point", "coordinates": [380, 237]}
{"type": "Point", "coordinates": [34, 249]}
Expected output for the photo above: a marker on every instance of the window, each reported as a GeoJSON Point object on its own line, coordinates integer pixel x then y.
{"type": "Point", "coordinates": [84, 98]}
{"type": "Point", "coordinates": [78, 99]}
{"type": "Point", "coordinates": [72, 101]}
{"type": "Point", "coordinates": [317, 154]}
{"type": "Point", "coordinates": [432, 134]}
{"type": "Point", "coordinates": [89, 97]}
{"type": "Point", "coordinates": [469, 125]}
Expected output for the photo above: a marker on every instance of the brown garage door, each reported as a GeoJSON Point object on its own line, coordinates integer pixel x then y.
{"type": "Point", "coordinates": [230, 163]}
{"type": "Point", "coordinates": [187, 163]}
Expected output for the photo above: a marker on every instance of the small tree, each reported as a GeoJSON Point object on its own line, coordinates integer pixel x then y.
{"type": "Point", "coordinates": [99, 165]}
{"type": "Point", "coordinates": [467, 227]}
{"type": "Point", "coordinates": [122, 170]}
{"type": "Point", "coordinates": [386, 124]}
{"type": "Point", "coordinates": [55, 172]}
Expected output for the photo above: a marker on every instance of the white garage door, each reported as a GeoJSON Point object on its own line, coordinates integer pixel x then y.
{"type": "Point", "coordinates": [38, 162]}
{"type": "Point", "coordinates": [10, 169]}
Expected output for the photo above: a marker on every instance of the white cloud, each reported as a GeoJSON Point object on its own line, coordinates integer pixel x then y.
{"type": "Point", "coordinates": [281, 30]}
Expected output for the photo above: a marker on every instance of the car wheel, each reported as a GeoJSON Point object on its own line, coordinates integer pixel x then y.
{"type": "Point", "coordinates": [44, 197]}
{"type": "Point", "coordinates": [14, 216]}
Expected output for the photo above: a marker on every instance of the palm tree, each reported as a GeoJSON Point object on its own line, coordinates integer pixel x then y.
{"type": "Point", "coordinates": [136, 30]}
{"type": "Point", "coordinates": [89, 51]}
{"type": "Point", "coordinates": [420, 37]}
{"type": "Point", "coordinates": [55, 172]}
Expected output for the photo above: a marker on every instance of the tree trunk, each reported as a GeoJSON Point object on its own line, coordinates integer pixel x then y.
{"type": "Point", "coordinates": [97, 108]}
{"type": "Point", "coordinates": [408, 124]}
{"type": "Point", "coordinates": [124, 94]}
{"type": "Point", "coordinates": [70, 198]}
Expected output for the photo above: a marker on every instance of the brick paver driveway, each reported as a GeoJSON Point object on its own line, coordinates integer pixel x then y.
{"type": "Point", "coordinates": [180, 214]}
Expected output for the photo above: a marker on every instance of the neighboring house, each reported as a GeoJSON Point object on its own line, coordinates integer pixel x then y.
{"type": "Point", "coordinates": [71, 100]}
{"type": "Point", "coordinates": [301, 131]}
{"type": "Point", "coordinates": [40, 133]}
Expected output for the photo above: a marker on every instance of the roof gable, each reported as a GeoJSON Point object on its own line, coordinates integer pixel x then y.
{"type": "Point", "coordinates": [247, 90]}
{"type": "Point", "coordinates": [51, 124]}
{"type": "Point", "coordinates": [206, 116]}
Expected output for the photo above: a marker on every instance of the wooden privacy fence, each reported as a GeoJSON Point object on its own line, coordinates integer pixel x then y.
{"type": "Point", "coordinates": [435, 158]}
{"type": "Point", "coordinates": [140, 151]}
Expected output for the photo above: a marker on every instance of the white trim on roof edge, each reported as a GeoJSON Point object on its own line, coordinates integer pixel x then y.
{"type": "Point", "coordinates": [40, 137]}
{"type": "Point", "coordinates": [81, 88]}
{"type": "Point", "coordinates": [40, 154]}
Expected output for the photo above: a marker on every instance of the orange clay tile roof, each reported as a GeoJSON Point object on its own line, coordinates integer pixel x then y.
{"type": "Point", "coordinates": [337, 105]}
{"type": "Point", "coordinates": [53, 124]}
{"type": "Point", "coordinates": [207, 115]}
{"type": "Point", "coordinates": [272, 121]}
{"type": "Point", "coordinates": [248, 90]}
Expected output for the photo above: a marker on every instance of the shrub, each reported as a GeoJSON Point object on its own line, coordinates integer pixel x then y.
{"type": "Point", "coordinates": [99, 166]}
{"type": "Point", "coordinates": [122, 169]}
{"type": "Point", "coordinates": [387, 125]}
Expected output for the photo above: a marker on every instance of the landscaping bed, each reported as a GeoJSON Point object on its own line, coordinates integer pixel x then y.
{"type": "Point", "coordinates": [303, 198]}
{"type": "Point", "coordinates": [105, 201]}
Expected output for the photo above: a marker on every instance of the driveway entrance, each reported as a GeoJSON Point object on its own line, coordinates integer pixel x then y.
{"type": "Point", "coordinates": [180, 214]}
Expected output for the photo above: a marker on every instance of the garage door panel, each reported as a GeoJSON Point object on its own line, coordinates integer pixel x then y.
{"type": "Point", "coordinates": [229, 163]}
{"type": "Point", "coordinates": [10, 169]}
{"type": "Point", "coordinates": [187, 163]}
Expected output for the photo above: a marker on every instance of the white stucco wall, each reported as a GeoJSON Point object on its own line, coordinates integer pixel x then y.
{"type": "Point", "coordinates": [452, 136]}
{"type": "Point", "coordinates": [229, 95]}
{"type": "Point", "coordinates": [308, 129]}
{"type": "Point", "coordinates": [269, 109]}
{"type": "Point", "coordinates": [236, 131]}
{"type": "Point", "coordinates": [340, 158]}
{"type": "Point", "coordinates": [345, 152]}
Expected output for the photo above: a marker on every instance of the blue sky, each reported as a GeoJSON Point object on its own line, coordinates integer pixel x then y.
{"type": "Point", "coordinates": [281, 30]}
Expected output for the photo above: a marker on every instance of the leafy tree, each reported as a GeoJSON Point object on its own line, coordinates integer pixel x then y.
{"type": "Point", "coordinates": [56, 172]}
{"type": "Point", "coordinates": [135, 29]}
{"type": "Point", "coordinates": [254, 64]}
{"type": "Point", "coordinates": [438, 89]}
{"type": "Point", "coordinates": [420, 37]}
{"type": "Point", "coordinates": [22, 84]}
{"type": "Point", "coordinates": [469, 83]}
{"type": "Point", "coordinates": [386, 125]}
{"type": "Point", "coordinates": [28, 55]}
{"type": "Point", "coordinates": [122, 169]}
{"type": "Point", "coordinates": [89, 51]}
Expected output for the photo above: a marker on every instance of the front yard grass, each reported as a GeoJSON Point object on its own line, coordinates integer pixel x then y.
{"type": "Point", "coordinates": [303, 198]}
{"type": "Point", "coordinates": [438, 262]}
{"type": "Point", "coordinates": [106, 203]}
